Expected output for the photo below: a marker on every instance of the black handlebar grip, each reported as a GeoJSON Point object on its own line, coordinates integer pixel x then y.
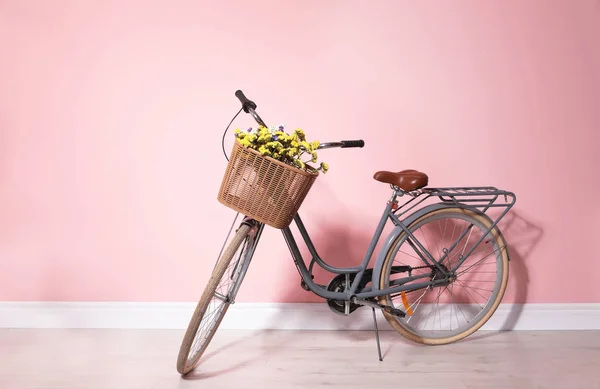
{"type": "Point", "coordinates": [353, 143]}
{"type": "Point", "coordinates": [246, 103]}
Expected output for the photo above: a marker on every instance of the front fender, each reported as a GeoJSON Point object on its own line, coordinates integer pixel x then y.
{"type": "Point", "coordinates": [393, 235]}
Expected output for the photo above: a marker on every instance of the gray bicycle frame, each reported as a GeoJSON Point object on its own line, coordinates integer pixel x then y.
{"type": "Point", "coordinates": [449, 199]}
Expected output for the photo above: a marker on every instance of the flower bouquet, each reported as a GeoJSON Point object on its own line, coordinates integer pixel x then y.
{"type": "Point", "coordinates": [277, 144]}
{"type": "Point", "coordinates": [269, 174]}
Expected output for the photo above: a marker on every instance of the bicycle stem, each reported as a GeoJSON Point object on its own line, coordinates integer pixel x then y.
{"type": "Point", "coordinates": [256, 117]}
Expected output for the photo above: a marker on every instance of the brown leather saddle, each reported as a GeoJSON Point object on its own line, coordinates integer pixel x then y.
{"type": "Point", "coordinates": [406, 180]}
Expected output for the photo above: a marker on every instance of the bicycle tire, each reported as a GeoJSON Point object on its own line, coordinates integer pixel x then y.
{"type": "Point", "coordinates": [184, 363]}
{"type": "Point", "coordinates": [502, 256]}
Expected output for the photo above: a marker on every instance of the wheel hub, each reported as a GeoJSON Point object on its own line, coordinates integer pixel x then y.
{"type": "Point", "coordinates": [437, 275]}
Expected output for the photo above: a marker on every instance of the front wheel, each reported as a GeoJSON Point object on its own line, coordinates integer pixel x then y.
{"type": "Point", "coordinates": [448, 313]}
{"type": "Point", "coordinates": [216, 298]}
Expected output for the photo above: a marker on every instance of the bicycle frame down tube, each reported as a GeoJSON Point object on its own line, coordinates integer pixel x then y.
{"type": "Point", "coordinates": [315, 255]}
{"type": "Point", "coordinates": [305, 273]}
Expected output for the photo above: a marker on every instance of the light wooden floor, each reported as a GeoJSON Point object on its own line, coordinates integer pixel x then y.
{"type": "Point", "coordinates": [126, 359]}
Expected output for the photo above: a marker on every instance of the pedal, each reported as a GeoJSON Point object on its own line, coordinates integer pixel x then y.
{"type": "Point", "coordinates": [395, 311]}
{"type": "Point", "coordinates": [303, 284]}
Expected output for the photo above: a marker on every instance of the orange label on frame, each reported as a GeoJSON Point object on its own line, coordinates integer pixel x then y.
{"type": "Point", "coordinates": [405, 302]}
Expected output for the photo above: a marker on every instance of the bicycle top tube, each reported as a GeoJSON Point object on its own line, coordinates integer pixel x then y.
{"type": "Point", "coordinates": [249, 106]}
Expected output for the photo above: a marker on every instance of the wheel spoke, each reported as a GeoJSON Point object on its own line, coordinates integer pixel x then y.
{"type": "Point", "coordinates": [410, 255]}
{"type": "Point", "coordinates": [417, 302]}
{"type": "Point", "coordinates": [438, 304]}
{"type": "Point", "coordinates": [466, 290]}
{"type": "Point", "coordinates": [482, 259]}
{"type": "Point", "coordinates": [461, 311]}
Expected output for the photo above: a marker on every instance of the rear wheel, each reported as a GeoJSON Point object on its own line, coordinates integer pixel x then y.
{"type": "Point", "coordinates": [448, 313]}
{"type": "Point", "coordinates": [215, 300]}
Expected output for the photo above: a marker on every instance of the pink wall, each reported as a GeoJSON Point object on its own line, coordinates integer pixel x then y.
{"type": "Point", "coordinates": [111, 117]}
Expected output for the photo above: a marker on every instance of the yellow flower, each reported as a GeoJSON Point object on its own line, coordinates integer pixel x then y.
{"type": "Point", "coordinates": [324, 167]}
{"type": "Point", "coordinates": [314, 157]}
{"type": "Point", "coordinates": [315, 144]}
{"type": "Point", "coordinates": [275, 145]}
{"type": "Point", "coordinates": [264, 151]}
{"type": "Point", "coordinates": [264, 137]}
{"type": "Point", "coordinates": [306, 146]}
{"type": "Point", "coordinates": [282, 137]}
{"type": "Point", "coordinates": [300, 133]}
{"type": "Point", "coordinates": [299, 163]}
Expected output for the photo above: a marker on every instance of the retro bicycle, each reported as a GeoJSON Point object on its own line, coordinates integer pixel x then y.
{"type": "Point", "coordinates": [439, 276]}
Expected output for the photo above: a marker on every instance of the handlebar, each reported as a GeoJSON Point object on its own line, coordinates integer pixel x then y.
{"type": "Point", "coordinates": [343, 144]}
{"type": "Point", "coordinates": [249, 106]}
{"type": "Point", "coordinates": [353, 143]}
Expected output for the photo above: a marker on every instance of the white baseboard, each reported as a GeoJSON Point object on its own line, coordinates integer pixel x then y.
{"type": "Point", "coordinates": [253, 316]}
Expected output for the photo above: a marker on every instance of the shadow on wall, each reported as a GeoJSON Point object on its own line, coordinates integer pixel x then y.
{"type": "Point", "coordinates": [522, 236]}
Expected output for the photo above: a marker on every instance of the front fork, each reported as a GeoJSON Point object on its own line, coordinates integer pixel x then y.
{"type": "Point", "coordinates": [253, 238]}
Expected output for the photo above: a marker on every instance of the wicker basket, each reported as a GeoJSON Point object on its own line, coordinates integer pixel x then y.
{"type": "Point", "coordinates": [264, 188]}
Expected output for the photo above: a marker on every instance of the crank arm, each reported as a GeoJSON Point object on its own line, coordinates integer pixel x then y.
{"type": "Point", "coordinates": [386, 308]}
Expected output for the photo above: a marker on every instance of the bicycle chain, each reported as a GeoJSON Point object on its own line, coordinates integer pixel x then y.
{"type": "Point", "coordinates": [411, 269]}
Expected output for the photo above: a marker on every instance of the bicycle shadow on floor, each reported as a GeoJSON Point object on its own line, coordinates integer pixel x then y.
{"type": "Point", "coordinates": [258, 347]}
{"type": "Point", "coordinates": [335, 243]}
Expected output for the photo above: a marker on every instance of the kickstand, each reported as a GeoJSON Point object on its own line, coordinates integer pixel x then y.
{"type": "Point", "coordinates": [377, 334]}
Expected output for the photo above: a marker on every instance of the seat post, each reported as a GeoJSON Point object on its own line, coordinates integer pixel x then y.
{"type": "Point", "coordinates": [395, 193]}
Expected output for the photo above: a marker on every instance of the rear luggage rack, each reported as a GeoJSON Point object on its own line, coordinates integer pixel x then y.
{"type": "Point", "coordinates": [484, 194]}
{"type": "Point", "coordinates": [480, 197]}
